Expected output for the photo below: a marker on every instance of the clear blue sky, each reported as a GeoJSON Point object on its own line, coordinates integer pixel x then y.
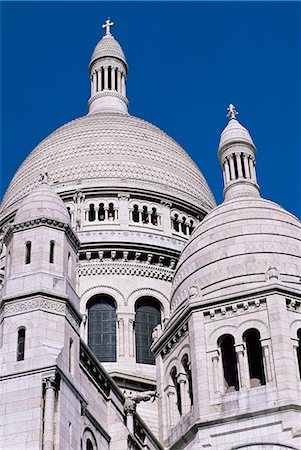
{"type": "Point", "coordinates": [187, 62]}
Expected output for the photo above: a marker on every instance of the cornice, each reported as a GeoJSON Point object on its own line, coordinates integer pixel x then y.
{"type": "Point", "coordinates": [108, 93]}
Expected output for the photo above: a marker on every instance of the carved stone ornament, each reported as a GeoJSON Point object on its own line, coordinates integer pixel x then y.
{"type": "Point", "coordinates": [272, 274]}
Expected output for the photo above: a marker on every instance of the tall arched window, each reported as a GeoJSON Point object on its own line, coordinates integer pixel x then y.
{"type": "Point", "coordinates": [102, 327]}
{"type": "Point", "coordinates": [176, 222]}
{"type": "Point", "coordinates": [186, 366]}
{"type": "Point", "coordinates": [299, 351]}
{"type": "Point", "coordinates": [51, 252]}
{"type": "Point", "coordinates": [173, 376]}
{"type": "Point", "coordinates": [21, 344]}
{"type": "Point", "coordinates": [148, 316]}
{"type": "Point", "coordinates": [89, 445]}
{"type": "Point", "coordinates": [111, 212]}
{"type": "Point", "coordinates": [255, 359]}
{"type": "Point", "coordinates": [229, 363]}
{"type": "Point", "coordinates": [135, 213]}
{"type": "Point", "coordinates": [101, 212]}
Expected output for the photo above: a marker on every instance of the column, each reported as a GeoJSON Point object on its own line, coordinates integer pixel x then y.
{"type": "Point", "coordinates": [217, 386]}
{"type": "Point", "coordinates": [240, 353]}
{"type": "Point", "coordinates": [50, 389]}
{"type": "Point", "coordinates": [182, 380]}
{"type": "Point", "coordinates": [131, 337]}
{"type": "Point", "coordinates": [121, 336]}
{"type": "Point", "coordinates": [266, 360]}
{"type": "Point", "coordinates": [232, 168]}
{"type": "Point", "coordinates": [252, 169]}
{"type": "Point", "coordinates": [130, 409]}
{"type": "Point", "coordinates": [94, 83]}
{"type": "Point", "coordinates": [106, 78]}
{"type": "Point", "coordinates": [296, 347]}
{"type": "Point", "coordinates": [99, 80]}
{"type": "Point", "coordinates": [113, 84]}
{"type": "Point", "coordinates": [239, 166]}
{"type": "Point", "coordinates": [171, 402]}
{"type": "Point", "coordinates": [246, 165]}
{"type": "Point", "coordinates": [227, 170]}
{"type": "Point", "coordinates": [118, 81]}
{"type": "Point", "coordinates": [123, 88]}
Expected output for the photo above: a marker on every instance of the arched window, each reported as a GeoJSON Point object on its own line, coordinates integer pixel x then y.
{"type": "Point", "coordinates": [28, 252]}
{"type": "Point", "coordinates": [102, 327]}
{"type": "Point", "coordinates": [111, 212]}
{"type": "Point", "coordinates": [190, 227]}
{"type": "Point", "coordinates": [255, 359]}
{"type": "Point", "coordinates": [145, 215]}
{"type": "Point", "coordinates": [135, 213]}
{"type": "Point", "coordinates": [186, 366]}
{"type": "Point", "coordinates": [51, 252]}
{"type": "Point", "coordinates": [147, 317]}
{"type": "Point", "coordinates": [101, 212]}
{"type": "Point", "coordinates": [91, 213]}
{"type": "Point", "coordinates": [176, 222]}
{"type": "Point", "coordinates": [21, 344]}
{"type": "Point", "coordinates": [299, 351]}
{"type": "Point", "coordinates": [154, 216]}
{"type": "Point", "coordinates": [173, 376]}
{"type": "Point", "coordinates": [89, 445]}
{"type": "Point", "coordinates": [229, 363]}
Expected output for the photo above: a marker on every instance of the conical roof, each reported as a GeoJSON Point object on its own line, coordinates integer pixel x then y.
{"type": "Point", "coordinates": [108, 47]}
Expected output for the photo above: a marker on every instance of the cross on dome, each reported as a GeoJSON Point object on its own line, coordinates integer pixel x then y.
{"type": "Point", "coordinates": [107, 25]}
{"type": "Point", "coordinates": [232, 113]}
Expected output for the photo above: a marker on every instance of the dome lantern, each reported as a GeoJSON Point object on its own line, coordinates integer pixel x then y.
{"type": "Point", "coordinates": [108, 71]}
{"type": "Point", "coordinates": [237, 156]}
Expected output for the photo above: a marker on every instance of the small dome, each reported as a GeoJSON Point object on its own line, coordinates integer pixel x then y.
{"type": "Point", "coordinates": [235, 132]}
{"type": "Point", "coordinates": [42, 202]}
{"type": "Point", "coordinates": [108, 47]}
{"type": "Point", "coordinates": [238, 247]}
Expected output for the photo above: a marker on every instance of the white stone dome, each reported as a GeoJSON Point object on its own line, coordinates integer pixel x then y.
{"type": "Point", "coordinates": [113, 150]}
{"type": "Point", "coordinates": [108, 47]}
{"type": "Point", "coordinates": [239, 246]}
{"type": "Point", "coordinates": [234, 132]}
{"type": "Point", "coordinates": [42, 202]}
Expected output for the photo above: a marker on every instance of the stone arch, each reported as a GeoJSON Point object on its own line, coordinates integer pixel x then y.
{"type": "Point", "coordinates": [263, 446]}
{"type": "Point", "coordinates": [173, 362]}
{"type": "Point", "coordinates": [101, 289]}
{"type": "Point", "coordinates": [257, 324]}
{"type": "Point", "coordinates": [220, 331]}
{"type": "Point", "coordinates": [149, 292]}
{"type": "Point", "coordinates": [295, 326]}
{"type": "Point", "coordinates": [87, 435]}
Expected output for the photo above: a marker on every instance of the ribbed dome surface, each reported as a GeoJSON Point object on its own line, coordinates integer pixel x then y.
{"type": "Point", "coordinates": [42, 202]}
{"type": "Point", "coordinates": [233, 248]}
{"type": "Point", "coordinates": [235, 132]}
{"type": "Point", "coordinates": [112, 150]}
{"type": "Point", "coordinates": [108, 47]}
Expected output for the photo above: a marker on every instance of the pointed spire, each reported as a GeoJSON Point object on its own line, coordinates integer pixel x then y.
{"type": "Point", "coordinates": [108, 73]}
{"type": "Point", "coordinates": [237, 156]}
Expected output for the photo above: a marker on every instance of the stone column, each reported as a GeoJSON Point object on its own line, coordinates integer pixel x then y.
{"type": "Point", "coordinates": [240, 353]}
{"type": "Point", "coordinates": [131, 337]}
{"type": "Point", "coordinates": [130, 410]}
{"type": "Point", "coordinates": [295, 347]}
{"type": "Point", "coordinates": [266, 360]}
{"type": "Point", "coordinates": [118, 81]}
{"type": "Point", "coordinates": [172, 407]}
{"type": "Point", "coordinates": [121, 336]}
{"type": "Point", "coordinates": [166, 217]}
{"type": "Point", "coordinates": [183, 381]}
{"type": "Point", "coordinates": [99, 80]}
{"type": "Point", "coordinates": [227, 171]}
{"type": "Point", "coordinates": [239, 165]}
{"type": "Point", "coordinates": [113, 84]}
{"type": "Point", "coordinates": [94, 83]}
{"type": "Point", "coordinates": [246, 165]}
{"type": "Point", "coordinates": [216, 379]}
{"type": "Point", "coordinates": [252, 169]}
{"type": "Point", "coordinates": [232, 168]}
{"type": "Point", "coordinates": [123, 87]}
{"type": "Point", "coordinates": [124, 210]}
{"type": "Point", "coordinates": [106, 78]}
{"type": "Point", "coordinates": [50, 390]}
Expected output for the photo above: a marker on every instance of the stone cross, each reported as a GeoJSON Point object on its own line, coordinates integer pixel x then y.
{"type": "Point", "coordinates": [107, 25]}
{"type": "Point", "coordinates": [232, 113]}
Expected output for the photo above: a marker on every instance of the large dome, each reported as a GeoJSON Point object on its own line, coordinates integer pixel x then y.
{"type": "Point", "coordinates": [237, 247]}
{"type": "Point", "coordinates": [114, 150]}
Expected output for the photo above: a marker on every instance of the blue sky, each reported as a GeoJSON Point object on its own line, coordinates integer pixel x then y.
{"type": "Point", "coordinates": [187, 62]}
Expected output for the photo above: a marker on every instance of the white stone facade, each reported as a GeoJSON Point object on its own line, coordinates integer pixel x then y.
{"type": "Point", "coordinates": [119, 244]}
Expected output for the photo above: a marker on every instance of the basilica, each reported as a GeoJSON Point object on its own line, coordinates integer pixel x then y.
{"type": "Point", "coordinates": [135, 313]}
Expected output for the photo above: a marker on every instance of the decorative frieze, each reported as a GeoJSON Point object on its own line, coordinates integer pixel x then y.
{"type": "Point", "coordinates": [135, 269]}
{"type": "Point", "coordinates": [293, 305]}
{"type": "Point", "coordinates": [225, 311]}
{"type": "Point", "coordinates": [176, 337]}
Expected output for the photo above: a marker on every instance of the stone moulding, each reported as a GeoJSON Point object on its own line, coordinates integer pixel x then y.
{"type": "Point", "coordinates": [174, 339]}
{"type": "Point", "coordinates": [43, 221]}
{"type": "Point", "coordinates": [108, 94]}
{"type": "Point", "coordinates": [142, 270]}
{"type": "Point", "coordinates": [234, 309]}
{"type": "Point", "coordinates": [293, 305]}
{"type": "Point", "coordinates": [59, 307]}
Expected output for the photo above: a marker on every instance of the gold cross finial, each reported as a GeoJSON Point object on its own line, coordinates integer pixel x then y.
{"type": "Point", "coordinates": [232, 113]}
{"type": "Point", "coordinates": [107, 25]}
